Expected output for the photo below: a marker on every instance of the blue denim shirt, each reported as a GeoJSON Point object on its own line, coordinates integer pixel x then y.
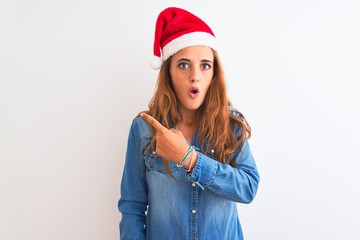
{"type": "Point", "coordinates": [198, 205]}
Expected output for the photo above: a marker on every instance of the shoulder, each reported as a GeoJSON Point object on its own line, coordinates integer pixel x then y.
{"type": "Point", "coordinates": [141, 128]}
{"type": "Point", "coordinates": [235, 117]}
{"type": "Point", "coordinates": [234, 112]}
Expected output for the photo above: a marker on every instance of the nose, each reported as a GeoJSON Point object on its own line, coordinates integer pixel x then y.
{"type": "Point", "coordinates": [195, 74]}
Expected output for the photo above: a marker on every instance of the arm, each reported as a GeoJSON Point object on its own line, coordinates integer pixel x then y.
{"type": "Point", "coordinates": [133, 201]}
{"type": "Point", "coordinates": [239, 183]}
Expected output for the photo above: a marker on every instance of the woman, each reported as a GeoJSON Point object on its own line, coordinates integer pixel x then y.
{"type": "Point", "coordinates": [188, 161]}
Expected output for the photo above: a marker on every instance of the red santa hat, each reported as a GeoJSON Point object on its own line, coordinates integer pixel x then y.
{"type": "Point", "coordinates": [176, 29]}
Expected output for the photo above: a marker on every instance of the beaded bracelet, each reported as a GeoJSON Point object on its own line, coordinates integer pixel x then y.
{"type": "Point", "coordinates": [190, 164]}
{"type": "Point", "coordinates": [185, 157]}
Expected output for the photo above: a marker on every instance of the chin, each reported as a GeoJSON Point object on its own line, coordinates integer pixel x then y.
{"type": "Point", "coordinates": [194, 108]}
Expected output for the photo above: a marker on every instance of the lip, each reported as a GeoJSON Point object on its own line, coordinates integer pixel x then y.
{"type": "Point", "coordinates": [194, 92]}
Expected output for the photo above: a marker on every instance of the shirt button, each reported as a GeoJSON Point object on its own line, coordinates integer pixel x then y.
{"type": "Point", "coordinates": [193, 184]}
{"type": "Point", "coordinates": [193, 211]}
{"type": "Point", "coordinates": [212, 151]}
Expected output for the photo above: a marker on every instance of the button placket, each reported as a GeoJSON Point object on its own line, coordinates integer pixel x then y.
{"type": "Point", "coordinates": [194, 207]}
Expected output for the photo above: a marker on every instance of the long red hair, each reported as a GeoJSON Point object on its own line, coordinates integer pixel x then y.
{"type": "Point", "coordinates": [215, 119]}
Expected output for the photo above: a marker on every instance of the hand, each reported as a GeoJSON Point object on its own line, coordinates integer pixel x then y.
{"type": "Point", "coordinates": [170, 144]}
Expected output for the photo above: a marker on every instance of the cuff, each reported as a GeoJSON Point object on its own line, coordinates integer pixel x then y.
{"type": "Point", "coordinates": [204, 171]}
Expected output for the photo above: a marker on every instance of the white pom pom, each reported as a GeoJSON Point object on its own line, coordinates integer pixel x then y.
{"type": "Point", "coordinates": [156, 62]}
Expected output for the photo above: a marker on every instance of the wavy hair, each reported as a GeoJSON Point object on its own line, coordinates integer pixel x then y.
{"type": "Point", "coordinates": [216, 121]}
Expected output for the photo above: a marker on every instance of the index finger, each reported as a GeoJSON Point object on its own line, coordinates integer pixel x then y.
{"type": "Point", "coordinates": [155, 123]}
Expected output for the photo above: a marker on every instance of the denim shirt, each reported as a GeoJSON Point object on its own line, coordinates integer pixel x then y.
{"type": "Point", "coordinates": [197, 205]}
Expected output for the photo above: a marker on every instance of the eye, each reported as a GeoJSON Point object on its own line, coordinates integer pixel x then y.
{"type": "Point", "coordinates": [206, 66]}
{"type": "Point", "coordinates": [183, 65]}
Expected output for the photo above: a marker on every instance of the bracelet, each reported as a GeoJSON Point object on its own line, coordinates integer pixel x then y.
{"type": "Point", "coordinates": [191, 162]}
{"type": "Point", "coordinates": [185, 157]}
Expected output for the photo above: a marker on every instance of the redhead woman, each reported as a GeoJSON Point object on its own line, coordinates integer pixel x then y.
{"type": "Point", "coordinates": [188, 161]}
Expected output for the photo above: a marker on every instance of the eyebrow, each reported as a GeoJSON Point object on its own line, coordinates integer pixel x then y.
{"type": "Point", "coordinates": [188, 60]}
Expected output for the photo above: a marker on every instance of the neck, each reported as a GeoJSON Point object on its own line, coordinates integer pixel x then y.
{"type": "Point", "coordinates": [188, 123]}
{"type": "Point", "coordinates": [188, 117]}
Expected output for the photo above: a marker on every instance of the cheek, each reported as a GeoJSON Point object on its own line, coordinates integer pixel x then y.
{"type": "Point", "coordinates": [178, 87]}
{"type": "Point", "coordinates": [208, 78]}
{"type": "Point", "coordinates": [178, 81]}
{"type": "Point", "coordinates": [207, 84]}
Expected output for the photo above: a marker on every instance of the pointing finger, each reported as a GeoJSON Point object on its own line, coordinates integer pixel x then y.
{"type": "Point", "coordinates": [158, 126]}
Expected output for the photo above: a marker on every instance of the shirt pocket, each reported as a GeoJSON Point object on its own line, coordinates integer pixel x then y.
{"type": "Point", "coordinates": [154, 162]}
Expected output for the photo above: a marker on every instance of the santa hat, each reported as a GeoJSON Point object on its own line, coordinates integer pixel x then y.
{"type": "Point", "coordinates": [176, 29]}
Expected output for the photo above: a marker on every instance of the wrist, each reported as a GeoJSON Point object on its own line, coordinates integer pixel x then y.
{"type": "Point", "coordinates": [182, 153]}
{"type": "Point", "coordinates": [185, 157]}
{"type": "Point", "coordinates": [190, 164]}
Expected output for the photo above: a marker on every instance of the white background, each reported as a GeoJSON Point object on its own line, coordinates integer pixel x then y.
{"type": "Point", "coordinates": [73, 74]}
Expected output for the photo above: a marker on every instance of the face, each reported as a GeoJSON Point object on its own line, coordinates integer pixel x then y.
{"type": "Point", "coordinates": [191, 71]}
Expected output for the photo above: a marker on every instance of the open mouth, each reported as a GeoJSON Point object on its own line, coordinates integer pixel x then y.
{"type": "Point", "coordinates": [194, 92]}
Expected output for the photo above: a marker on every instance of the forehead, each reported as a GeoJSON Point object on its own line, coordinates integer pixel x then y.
{"type": "Point", "coordinates": [195, 52]}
